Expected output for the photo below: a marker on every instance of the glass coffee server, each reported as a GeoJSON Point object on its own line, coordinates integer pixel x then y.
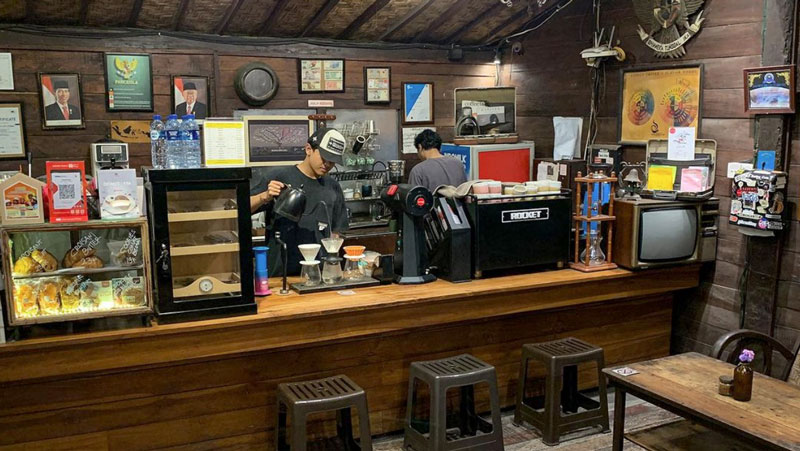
{"type": "Point", "coordinates": [202, 242]}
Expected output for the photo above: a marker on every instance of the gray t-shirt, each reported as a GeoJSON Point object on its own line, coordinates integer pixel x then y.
{"type": "Point", "coordinates": [435, 172]}
{"type": "Point", "coordinates": [308, 230]}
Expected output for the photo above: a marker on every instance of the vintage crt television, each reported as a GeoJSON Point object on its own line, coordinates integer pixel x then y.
{"type": "Point", "coordinates": [652, 232]}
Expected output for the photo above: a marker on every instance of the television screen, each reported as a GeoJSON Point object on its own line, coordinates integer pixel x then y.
{"type": "Point", "coordinates": [667, 234]}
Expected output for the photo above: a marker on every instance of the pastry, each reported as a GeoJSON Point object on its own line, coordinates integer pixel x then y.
{"type": "Point", "coordinates": [69, 291]}
{"type": "Point", "coordinates": [88, 262]}
{"type": "Point", "coordinates": [45, 259]}
{"type": "Point", "coordinates": [27, 265]}
{"type": "Point", "coordinates": [128, 291]}
{"type": "Point", "coordinates": [25, 293]}
{"type": "Point", "coordinates": [76, 254]}
{"type": "Point", "coordinates": [48, 297]}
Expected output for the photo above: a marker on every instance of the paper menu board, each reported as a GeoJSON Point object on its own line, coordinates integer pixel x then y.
{"type": "Point", "coordinates": [224, 143]}
{"type": "Point", "coordinates": [409, 133]}
{"type": "Point", "coordinates": [680, 143]}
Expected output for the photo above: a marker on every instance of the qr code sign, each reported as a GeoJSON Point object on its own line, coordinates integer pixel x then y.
{"type": "Point", "coordinates": [66, 192]}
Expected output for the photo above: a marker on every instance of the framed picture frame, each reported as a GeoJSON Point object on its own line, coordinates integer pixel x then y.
{"type": "Point", "coordinates": [418, 105]}
{"type": "Point", "coordinates": [276, 140]}
{"type": "Point", "coordinates": [320, 75]}
{"type": "Point", "coordinates": [6, 72]}
{"type": "Point", "coordinates": [61, 101]}
{"type": "Point", "coordinates": [12, 131]}
{"type": "Point", "coordinates": [654, 99]}
{"type": "Point", "coordinates": [377, 85]}
{"type": "Point", "coordinates": [129, 82]}
{"type": "Point", "coordinates": [191, 95]}
{"type": "Point", "coordinates": [769, 90]}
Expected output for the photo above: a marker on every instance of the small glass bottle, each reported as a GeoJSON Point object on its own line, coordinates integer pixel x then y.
{"type": "Point", "coordinates": [743, 382]}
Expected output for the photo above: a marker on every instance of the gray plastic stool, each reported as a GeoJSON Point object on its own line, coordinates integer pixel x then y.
{"type": "Point", "coordinates": [299, 399]}
{"type": "Point", "coordinates": [561, 357]}
{"type": "Point", "coordinates": [475, 433]}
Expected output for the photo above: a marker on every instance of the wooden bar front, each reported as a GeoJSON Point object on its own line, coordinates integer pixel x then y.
{"type": "Point", "coordinates": [210, 384]}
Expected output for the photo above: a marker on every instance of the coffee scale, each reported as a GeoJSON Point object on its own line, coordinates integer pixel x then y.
{"type": "Point", "coordinates": [331, 276]}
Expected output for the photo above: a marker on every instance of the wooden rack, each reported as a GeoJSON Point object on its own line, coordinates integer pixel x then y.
{"type": "Point", "coordinates": [601, 219]}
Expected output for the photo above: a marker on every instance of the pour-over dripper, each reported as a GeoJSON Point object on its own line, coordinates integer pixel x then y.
{"type": "Point", "coordinates": [332, 245]}
{"type": "Point", "coordinates": [309, 251]}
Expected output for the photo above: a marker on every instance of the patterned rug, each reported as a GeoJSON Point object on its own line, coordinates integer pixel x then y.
{"type": "Point", "coordinates": [638, 415]}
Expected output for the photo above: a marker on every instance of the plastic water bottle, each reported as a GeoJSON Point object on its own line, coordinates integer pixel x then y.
{"type": "Point", "coordinates": [173, 142]}
{"type": "Point", "coordinates": [190, 137]}
{"type": "Point", "coordinates": [158, 149]}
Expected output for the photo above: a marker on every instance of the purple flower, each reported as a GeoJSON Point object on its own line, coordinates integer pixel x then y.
{"type": "Point", "coordinates": [747, 356]}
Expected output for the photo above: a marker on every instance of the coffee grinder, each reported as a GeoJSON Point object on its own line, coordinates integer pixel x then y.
{"type": "Point", "coordinates": [410, 254]}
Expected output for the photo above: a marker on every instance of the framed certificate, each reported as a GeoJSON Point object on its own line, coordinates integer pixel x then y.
{"type": "Point", "coordinates": [417, 103]}
{"type": "Point", "coordinates": [12, 131]}
{"type": "Point", "coordinates": [377, 85]}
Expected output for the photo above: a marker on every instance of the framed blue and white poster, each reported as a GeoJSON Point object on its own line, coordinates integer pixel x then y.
{"type": "Point", "coordinates": [417, 103]}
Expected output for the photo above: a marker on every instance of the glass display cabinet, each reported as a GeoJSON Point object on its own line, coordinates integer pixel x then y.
{"type": "Point", "coordinates": [201, 247]}
{"type": "Point", "coordinates": [76, 271]}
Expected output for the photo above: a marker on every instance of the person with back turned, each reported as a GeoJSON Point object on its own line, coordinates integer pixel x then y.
{"type": "Point", "coordinates": [323, 150]}
{"type": "Point", "coordinates": [435, 169]}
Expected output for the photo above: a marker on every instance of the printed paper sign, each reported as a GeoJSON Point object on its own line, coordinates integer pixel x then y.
{"type": "Point", "coordinates": [680, 144]}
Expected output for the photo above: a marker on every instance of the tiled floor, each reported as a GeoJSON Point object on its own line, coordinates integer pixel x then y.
{"type": "Point", "coordinates": [638, 415]}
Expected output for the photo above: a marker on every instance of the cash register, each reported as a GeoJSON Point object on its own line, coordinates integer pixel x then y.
{"type": "Point", "coordinates": [108, 154]}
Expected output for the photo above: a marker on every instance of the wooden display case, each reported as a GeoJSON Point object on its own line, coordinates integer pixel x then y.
{"type": "Point", "coordinates": [45, 282]}
{"type": "Point", "coordinates": [202, 244]}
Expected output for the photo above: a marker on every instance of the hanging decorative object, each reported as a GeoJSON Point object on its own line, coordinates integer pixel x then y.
{"type": "Point", "coordinates": [664, 19]}
{"type": "Point", "coordinates": [508, 3]}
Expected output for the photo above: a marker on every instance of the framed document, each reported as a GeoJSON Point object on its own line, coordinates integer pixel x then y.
{"type": "Point", "coordinates": [276, 140]}
{"type": "Point", "coordinates": [320, 75]}
{"type": "Point", "coordinates": [769, 90]}
{"type": "Point", "coordinates": [191, 95]}
{"type": "Point", "coordinates": [12, 132]}
{"type": "Point", "coordinates": [6, 72]}
{"type": "Point", "coordinates": [60, 101]}
{"type": "Point", "coordinates": [654, 100]}
{"type": "Point", "coordinates": [417, 103]}
{"type": "Point", "coordinates": [129, 82]}
{"type": "Point", "coordinates": [377, 85]}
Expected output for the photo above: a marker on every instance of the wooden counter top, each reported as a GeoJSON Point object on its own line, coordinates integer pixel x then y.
{"type": "Point", "coordinates": [294, 320]}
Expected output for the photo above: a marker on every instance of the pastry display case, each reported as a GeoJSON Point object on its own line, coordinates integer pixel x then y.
{"type": "Point", "coordinates": [201, 242]}
{"type": "Point", "coordinates": [75, 271]}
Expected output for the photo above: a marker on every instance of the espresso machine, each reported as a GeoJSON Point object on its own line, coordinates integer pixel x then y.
{"type": "Point", "coordinates": [410, 204]}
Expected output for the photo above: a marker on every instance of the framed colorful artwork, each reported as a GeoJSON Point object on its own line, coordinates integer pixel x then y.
{"type": "Point", "coordinates": [129, 82]}
{"type": "Point", "coordinates": [320, 75]}
{"type": "Point", "coordinates": [654, 100]}
{"type": "Point", "coordinates": [769, 90]}
{"type": "Point", "coordinates": [417, 103]}
{"type": "Point", "coordinates": [191, 95]}
{"type": "Point", "coordinates": [60, 101]}
{"type": "Point", "coordinates": [377, 85]}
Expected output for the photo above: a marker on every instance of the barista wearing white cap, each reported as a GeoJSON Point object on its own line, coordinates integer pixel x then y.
{"type": "Point", "coordinates": [323, 150]}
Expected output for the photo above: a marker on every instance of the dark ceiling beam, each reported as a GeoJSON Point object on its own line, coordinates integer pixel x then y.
{"type": "Point", "coordinates": [319, 17]}
{"type": "Point", "coordinates": [84, 12]}
{"type": "Point", "coordinates": [506, 23]}
{"type": "Point", "coordinates": [422, 6]}
{"type": "Point", "coordinates": [458, 34]}
{"type": "Point", "coordinates": [453, 11]}
{"type": "Point", "coordinates": [273, 17]}
{"type": "Point", "coordinates": [137, 8]}
{"type": "Point", "coordinates": [232, 9]}
{"type": "Point", "coordinates": [184, 5]}
{"type": "Point", "coordinates": [29, 12]}
{"type": "Point", "coordinates": [368, 14]}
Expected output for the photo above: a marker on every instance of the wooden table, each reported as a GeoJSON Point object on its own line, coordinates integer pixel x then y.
{"type": "Point", "coordinates": [687, 385]}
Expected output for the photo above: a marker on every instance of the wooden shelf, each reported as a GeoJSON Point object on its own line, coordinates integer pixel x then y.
{"type": "Point", "coordinates": [596, 218]}
{"type": "Point", "coordinates": [78, 271]}
{"type": "Point", "coordinates": [204, 249]}
{"type": "Point", "coordinates": [203, 215]}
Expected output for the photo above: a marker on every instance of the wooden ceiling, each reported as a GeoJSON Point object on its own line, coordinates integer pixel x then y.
{"type": "Point", "coordinates": [404, 21]}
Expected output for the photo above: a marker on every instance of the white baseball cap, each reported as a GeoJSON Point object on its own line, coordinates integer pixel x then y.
{"type": "Point", "coordinates": [330, 143]}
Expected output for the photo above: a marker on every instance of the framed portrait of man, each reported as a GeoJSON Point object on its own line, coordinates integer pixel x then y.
{"type": "Point", "coordinates": [61, 104]}
{"type": "Point", "coordinates": [191, 95]}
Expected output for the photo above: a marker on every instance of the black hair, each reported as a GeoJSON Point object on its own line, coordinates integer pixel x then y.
{"type": "Point", "coordinates": [428, 139]}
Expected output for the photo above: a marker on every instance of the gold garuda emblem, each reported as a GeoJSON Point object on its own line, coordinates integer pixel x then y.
{"type": "Point", "coordinates": [126, 68]}
{"type": "Point", "coordinates": [666, 24]}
